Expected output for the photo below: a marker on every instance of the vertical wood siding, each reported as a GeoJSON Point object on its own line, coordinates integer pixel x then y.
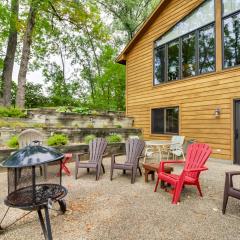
{"type": "Point", "coordinates": [197, 97]}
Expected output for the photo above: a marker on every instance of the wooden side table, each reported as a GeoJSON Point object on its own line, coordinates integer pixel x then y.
{"type": "Point", "coordinates": [151, 168]}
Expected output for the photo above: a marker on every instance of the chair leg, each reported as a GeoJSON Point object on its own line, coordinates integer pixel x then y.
{"type": "Point", "coordinates": [183, 155]}
{"type": "Point", "coordinates": [103, 168]}
{"type": "Point", "coordinates": [111, 173]}
{"type": "Point", "coordinates": [140, 171]}
{"type": "Point", "coordinates": [177, 193]}
{"type": "Point", "coordinates": [225, 195]}
{"type": "Point", "coordinates": [134, 172]}
{"type": "Point", "coordinates": [156, 185]}
{"type": "Point", "coordinates": [76, 172]}
{"type": "Point", "coordinates": [199, 189]}
{"type": "Point", "coordinates": [97, 174]}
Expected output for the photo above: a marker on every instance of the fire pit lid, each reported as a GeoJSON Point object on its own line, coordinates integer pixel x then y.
{"type": "Point", "coordinates": [31, 156]}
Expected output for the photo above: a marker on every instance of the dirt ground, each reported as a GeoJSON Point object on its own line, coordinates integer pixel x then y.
{"type": "Point", "coordinates": [121, 210]}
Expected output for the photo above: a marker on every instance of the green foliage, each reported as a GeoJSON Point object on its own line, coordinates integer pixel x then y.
{"type": "Point", "coordinates": [114, 138]}
{"type": "Point", "coordinates": [39, 125]}
{"type": "Point", "coordinates": [90, 125]}
{"type": "Point", "coordinates": [63, 109]}
{"type": "Point", "coordinates": [13, 142]}
{"type": "Point", "coordinates": [12, 112]}
{"type": "Point", "coordinates": [57, 140]}
{"type": "Point", "coordinates": [118, 126]}
{"type": "Point", "coordinates": [81, 110]}
{"type": "Point", "coordinates": [74, 33]}
{"type": "Point", "coordinates": [89, 138]}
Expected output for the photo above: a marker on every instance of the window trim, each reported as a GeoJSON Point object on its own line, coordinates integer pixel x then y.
{"type": "Point", "coordinates": [180, 38]}
{"type": "Point", "coordinates": [164, 127]}
{"type": "Point", "coordinates": [222, 35]}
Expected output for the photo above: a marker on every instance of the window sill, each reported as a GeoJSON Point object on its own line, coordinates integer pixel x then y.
{"type": "Point", "coordinates": [163, 134]}
{"type": "Point", "coordinates": [224, 70]}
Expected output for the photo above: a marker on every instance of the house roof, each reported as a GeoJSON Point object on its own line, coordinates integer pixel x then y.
{"type": "Point", "coordinates": [122, 57]}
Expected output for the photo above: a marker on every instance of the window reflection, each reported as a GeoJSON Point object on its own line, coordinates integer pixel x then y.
{"type": "Point", "coordinates": [198, 18]}
{"type": "Point", "coordinates": [206, 50]}
{"type": "Point", "coordinates": [232, 41]}
{"type": "Point", "coordinates": [188, 55]}
{"type": "Point", "coordinates": [173, 61]}
{"type": "Point", "coordinates": [159, 65]}
{"type": "Point", "coordinates": [230, 6]}
{"type": "Point", "coordinates": [172, 120]}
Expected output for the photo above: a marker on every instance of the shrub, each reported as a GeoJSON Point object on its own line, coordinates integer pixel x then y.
{"type": "Point", "coordinates": [89, 138]}
{"type": "Point", "coordinates": [114, 138]}
{"type": "Point", "coordinates": [57, 140]}
{"type": "Point", "coordinates": [118, 126]}
{"type": "Point", "coordinates": [13, 142]}
{"type": "Point", "coordinates": [12, 112]}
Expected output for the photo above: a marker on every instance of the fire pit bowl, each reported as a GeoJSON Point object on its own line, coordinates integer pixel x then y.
{"type": "Point", "coordinates": [28, 189]}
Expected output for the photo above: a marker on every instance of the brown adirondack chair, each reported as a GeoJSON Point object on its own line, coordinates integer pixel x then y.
{"type": "Point", "coordinates": [96, 149]}
{"type": "Point", "coordinates": [230, 189]}
{"type": "Point", "coordinates": [134, 148]}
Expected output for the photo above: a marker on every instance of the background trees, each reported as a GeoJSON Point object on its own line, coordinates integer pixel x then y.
{"type": "Point", "coordinates": [74, 44]}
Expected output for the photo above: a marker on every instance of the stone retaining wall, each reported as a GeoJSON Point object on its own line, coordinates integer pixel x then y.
{"type": "Point", "coordinates": [74, 135]}
{"type": "Point", "coordinates": [111, 149]}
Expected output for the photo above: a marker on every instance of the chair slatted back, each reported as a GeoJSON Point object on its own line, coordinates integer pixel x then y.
{"type": "Point", "coordinates": [197, 155]}
{"type": "Point", "coordinates": [28, 136]}
{"type": "Point", "coordinates": [97, 148]}
{"type": "Point", "coordinates": [134, 148]}
{"type": "Point", "coordinates": [178, 140]}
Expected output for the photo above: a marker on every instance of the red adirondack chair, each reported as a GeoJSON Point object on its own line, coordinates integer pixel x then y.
{"type": "Point", "coordinates": [197, 155]}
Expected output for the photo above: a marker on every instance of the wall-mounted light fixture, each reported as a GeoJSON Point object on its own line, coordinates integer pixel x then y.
{"type": "Point", "coordinates": [217, 113]}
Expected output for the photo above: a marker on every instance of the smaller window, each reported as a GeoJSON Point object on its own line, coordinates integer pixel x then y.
{"type": "Point", "coordinates": [165, 120]}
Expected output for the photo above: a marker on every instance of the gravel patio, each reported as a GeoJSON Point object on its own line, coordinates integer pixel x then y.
{"type": "Point", "coordinates": [120, 210]}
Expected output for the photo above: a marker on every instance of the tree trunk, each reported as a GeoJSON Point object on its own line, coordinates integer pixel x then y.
{"type": "Point", "coordinates": [10, 55]}
{"type": "Point", "coordinates": [27, 42]}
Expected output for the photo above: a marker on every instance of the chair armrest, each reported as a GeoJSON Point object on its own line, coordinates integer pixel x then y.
{"type": "Point", "coordinates": [114, 157]}
{"type": "Point", "coordinates": [81, 154]}
{"type": "Point", "coordinates": [233, 173]}
{"type": "Point", "coordinates": [161, 166]}
{"type": "Point", "coordinates": [196, 169]}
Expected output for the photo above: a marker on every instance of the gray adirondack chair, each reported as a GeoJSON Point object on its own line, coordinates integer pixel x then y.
{"type": "Point", "coordinates": [32, 136]}
{"type": "Point", "coordinates": [96, 149]}
{"type": "Point", "coordinates": [134, 149]}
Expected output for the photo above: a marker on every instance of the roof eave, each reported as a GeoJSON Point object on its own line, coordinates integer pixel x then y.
{"type": "Point", "coordinates": [122, 57]}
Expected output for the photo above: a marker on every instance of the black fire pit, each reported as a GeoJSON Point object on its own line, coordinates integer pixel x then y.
{"type": "Point", "coordinates": [28, 189]}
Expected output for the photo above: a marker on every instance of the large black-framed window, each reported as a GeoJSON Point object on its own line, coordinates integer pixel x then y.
{"type": "Point", "coordinates": [165, 120]}
{"type": "Point", "coordinates": [190, 55]}
{"type": "Point", "coordinates": [188, 49]}
{"type": "Point", "coordinates": [231, 33]}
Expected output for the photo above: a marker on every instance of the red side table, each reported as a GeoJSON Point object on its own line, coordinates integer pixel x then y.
{"type": "Point", "coordinates": [64, 168]}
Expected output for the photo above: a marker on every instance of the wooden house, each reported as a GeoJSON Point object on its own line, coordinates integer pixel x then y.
{"type": "Point", "coordinates": [183, 74]}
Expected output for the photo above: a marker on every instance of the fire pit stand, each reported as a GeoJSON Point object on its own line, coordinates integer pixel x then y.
{"type": "Point", "coordinates": [30, 191]}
